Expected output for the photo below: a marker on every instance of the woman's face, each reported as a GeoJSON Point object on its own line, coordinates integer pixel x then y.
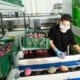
{"type": "Point", "coordinates": [64, 26]}
{"type": "Point", "coordinates": [65, 23]}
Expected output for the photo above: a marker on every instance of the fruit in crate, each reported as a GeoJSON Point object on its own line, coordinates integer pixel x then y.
{"type": "Point", "coordinates": [25, 54]}
{"type": "Point", "coordinates": [30, 35]}
{"type": "Point", "coordinates": [41, 51]}
{"type": "Point", "coordinates": [8, 46]}
{"type": "Point", "coordinates": [7, 49]}
{"type": "Point", "coordinates": [35, 35]}
{"type": "Point", "coordinates": [2, 52]}
{"type": "Point", "coordinates": [41, 35]}
{"type": "Point", "coordinates": [27, 71]}
{"type": "Point", "coordinates": [63, 68]}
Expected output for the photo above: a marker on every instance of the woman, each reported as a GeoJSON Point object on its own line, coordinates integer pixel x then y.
{"type": "Point", "coordinates": [61, 36]}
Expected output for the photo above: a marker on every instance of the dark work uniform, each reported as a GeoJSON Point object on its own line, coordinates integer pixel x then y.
{"type": "Point", "coordinates": [61, 40]}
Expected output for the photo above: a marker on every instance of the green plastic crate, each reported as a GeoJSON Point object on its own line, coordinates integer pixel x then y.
{"type": "Point", "coordinates": [14, 49]}
{"type": "Point", "coordinates": [42, 43]}
{"type": "Point", "coordinates": [28, 30]}
{"type": "Point", "coordinates": [7, 60]}
{"type": "Point", "coordinates": [6, 40]}
{"type": "Point", "coordinates": [5, 65]}
{"type": "Point", "coordinates": [16, 2]}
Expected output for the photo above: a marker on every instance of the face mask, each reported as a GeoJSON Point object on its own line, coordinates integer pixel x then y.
{"type": "Point", "coordinates": [64, 28]}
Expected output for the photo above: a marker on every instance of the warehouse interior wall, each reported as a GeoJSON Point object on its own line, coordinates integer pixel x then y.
{"type": "Point", "coordinates": [40, 6]}
{"type": "Point", "coordinates": [67, 6]}
{"type": "Point", "coordinates": [46, 6]}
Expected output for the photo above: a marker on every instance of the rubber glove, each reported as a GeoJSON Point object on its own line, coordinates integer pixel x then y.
{"type": "Point", "coordinates": [59, 53]}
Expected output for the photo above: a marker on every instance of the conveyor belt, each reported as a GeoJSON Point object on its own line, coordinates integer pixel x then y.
{"type": "Point", "coordinates": [42, 66]}
{"type": "Point", "coordinates": [39, 64]}
{"type": "Point", "coordinates": [42, 63]}
{"type": "Point", "coordinates": [73, 79]}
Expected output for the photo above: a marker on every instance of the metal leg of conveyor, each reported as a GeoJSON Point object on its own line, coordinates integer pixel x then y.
{"type": "Point", "coordinates": [14, 59]}
{"type": "Point", "coordinates": [20, 44]}
{"type": "Point", "coordinates": [68, 50]}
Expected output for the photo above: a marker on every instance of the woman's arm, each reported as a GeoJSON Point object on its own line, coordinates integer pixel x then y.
{"type": "Point", "coordinates": [77, 48]}
{"type": "Point", "coordinates": [59, 53]}
{"type": "Point", "coordinates": [52, 45]}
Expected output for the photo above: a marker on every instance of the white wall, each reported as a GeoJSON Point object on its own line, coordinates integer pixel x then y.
{"type": "Point", "coordinates": [40, 6]}
{"type": "Point", "coordinates": [46, 6]}
{"type": "Point", "coordinates": [67, 6]}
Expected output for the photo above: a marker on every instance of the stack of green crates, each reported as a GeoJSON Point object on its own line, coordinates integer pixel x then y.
{"type": "Point", "coordinates": [14, 49]}
{"type": "Point", "coordinates": [32, 30]}
{"type": "Point", "coordinates": [36, 43]}
{"type": "Point", "coordinates": [6, 60]}
{"type": "Point", "coordinates": [5, 65]}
